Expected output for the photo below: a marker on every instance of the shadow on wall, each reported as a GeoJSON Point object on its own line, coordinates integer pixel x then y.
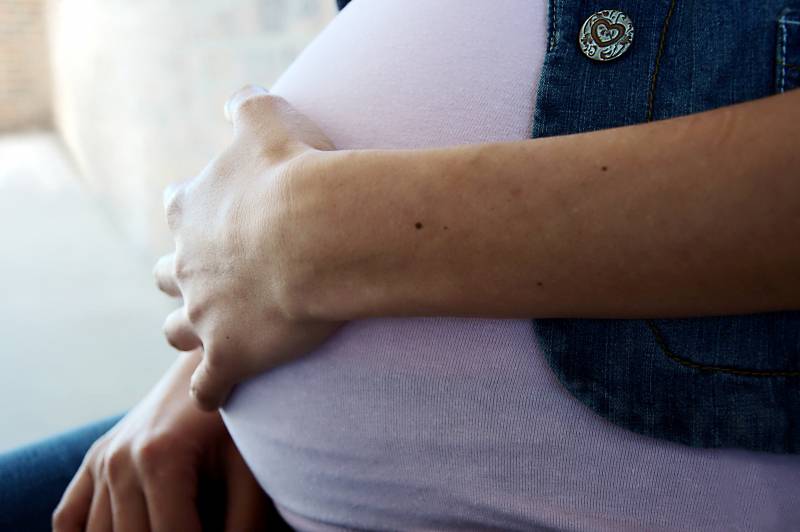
{"type": "Point", "coordinates": [139, 88]}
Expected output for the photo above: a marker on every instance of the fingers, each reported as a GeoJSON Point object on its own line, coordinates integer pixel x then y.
{"type": "Point", "coordinates": [129, 509]}
{"type": "Point", "coordinates": [210, 386]}
{"type": "Point", "coordinates": [273, 121]}
{"type": "Point", "coordinates": [164, 272]}
{"type": "Point", "coordinates": [100, 512]}
{"type": "Point", "coordinates": [72, 512]}
{"type": "Point", "coordinates": [128, 506]}
{"type": "Point", "coordinates": [177, 328]}
{"type": "Point", "coordinates": [179, 331]}
{"type": "Point", "coordinates": [170, 193]}
{"type": "Point", "coordinates": [171, 504]}
{"type": "Point", "coordinates": [235, 102]}
{"type": "Point", "coordinates": [173, 204]}
{"type": "Point", "coordinates": [247, 503]}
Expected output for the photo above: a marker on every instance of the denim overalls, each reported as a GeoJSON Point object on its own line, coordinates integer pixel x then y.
{"type": "Point", "coordinates": [731, 381]}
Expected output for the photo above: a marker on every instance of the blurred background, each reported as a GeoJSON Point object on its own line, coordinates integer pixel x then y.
{"type": "Point", "coordinates": [103, 102]}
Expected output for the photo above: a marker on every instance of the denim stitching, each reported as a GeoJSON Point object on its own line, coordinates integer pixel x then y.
{"type": "Point", "coordinates": [783, 26]}
{"type": "Point", "coordinates": [782, 79]}
{"type": "Point", "coordinates": [662, 343]}
{"type": "Point", "coordinates": [553, 27]}
{"type": "Point", "coordinates": [659, 336]}
{"type": "Point", "coordinates": [661, 45]}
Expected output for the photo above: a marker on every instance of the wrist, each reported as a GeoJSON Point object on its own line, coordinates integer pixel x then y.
{"type": "Point", "coordinates": [317, 220]}
{"type": "Point", "coordinates": [354, 214]}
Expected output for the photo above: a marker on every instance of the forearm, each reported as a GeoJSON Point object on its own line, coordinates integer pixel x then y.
{"type": "Point", "coordinates": [692, 216]}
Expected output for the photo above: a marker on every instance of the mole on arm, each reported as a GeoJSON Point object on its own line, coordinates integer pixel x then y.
{"type": "Point", "coordinates": [418, 225]}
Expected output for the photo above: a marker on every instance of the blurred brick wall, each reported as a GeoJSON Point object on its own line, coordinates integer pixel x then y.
{"type": "Point", "coordinates": [24, 79]}
{"type": "Point", "coordinates": [139, 87]}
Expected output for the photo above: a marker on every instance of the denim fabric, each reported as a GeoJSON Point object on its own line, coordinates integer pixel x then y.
{"type": "Point", "coordinates": [33, 478]}
{"type": "Point", "coordinates": [787, 66]}
{"type": "Point", "coordinates": [707, 382]}
{"type": "Point", "coordinates": [727, 381]}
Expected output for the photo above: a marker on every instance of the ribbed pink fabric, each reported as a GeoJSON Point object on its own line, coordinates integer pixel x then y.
{"type": "Point", "coordinates": [440, 423]}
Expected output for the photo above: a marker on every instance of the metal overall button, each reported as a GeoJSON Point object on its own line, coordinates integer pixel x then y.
{"type": "Point", "coordinates": [606, 35]}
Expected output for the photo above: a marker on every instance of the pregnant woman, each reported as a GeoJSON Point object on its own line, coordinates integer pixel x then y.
{"type": "Point", "coordinates": [395, 185]}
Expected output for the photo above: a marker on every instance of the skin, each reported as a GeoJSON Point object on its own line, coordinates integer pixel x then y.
{"type": "Point", "coordinates": [144, 474]}
{"type": "Point", "coordinates": [227, 266]}
{"type": "Point", "coordinates": [281, 238]}
{"type": "Point", "coordinates": [698, 215]}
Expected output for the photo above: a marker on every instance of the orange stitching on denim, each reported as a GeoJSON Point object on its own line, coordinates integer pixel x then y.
{"type": "Point", "coordinates": [659, 336]}
{"type": "Point", "coordinates": [651, 96]}
{"type": "Point", "coordinates": [662, 343]}
{"type": "Point", "coordinates": [553, 27]}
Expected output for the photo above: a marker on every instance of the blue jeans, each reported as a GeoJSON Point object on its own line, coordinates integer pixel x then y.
{"type": "Point", "coordinates": [716, 381]}
{"type": "Point", "coordinates": [33, 478]}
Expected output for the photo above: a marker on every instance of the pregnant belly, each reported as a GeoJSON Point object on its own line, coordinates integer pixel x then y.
{"type": "Point", "coordinates": [399, 409]}
{"type": "Point", "coordinates": [436, 423]}
{"type": "Point", "coordinates": [401, 421]}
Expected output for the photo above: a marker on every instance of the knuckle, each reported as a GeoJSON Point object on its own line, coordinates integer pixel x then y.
{"type": "Point", "coordinates": [255, 105]}
{"type": "Point", "coordinates": [202, 388]}
{"type": "Point", "coordinates": [275, 101]}
{"type": "Point", "coordinates": [172, 338]}
{"type": "Point", "coordinates": [162, 284]}
{"type": "Point", "coordinates": [63, 518]}
{"type": "Point", "coordinates": [249, 106]}
{"type": "Point", "coordinates": [152, 453]}
{"type": "Point", "coordinates": [173, 205]}
{"type": "Point", "coordinates": [117, 465]}
{"type": "Point", "coordinates": [180, 335]}
{"type": "Point", "coordinates": [195, 311]}
{"type": "Point", "coordinates": [180, 268]}
{"type": "Point", "coordinates": [93, 460]}
{"type": "Point", "coordinates": [203, 398]}
{"type": "Point", "coordinates": [164, 275]}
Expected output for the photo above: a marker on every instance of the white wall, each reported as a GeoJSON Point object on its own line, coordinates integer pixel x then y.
{"type": "Point", "coordinates": [139, 88]}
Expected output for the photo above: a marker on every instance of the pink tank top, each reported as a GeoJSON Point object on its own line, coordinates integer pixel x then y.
{"type": "Point", "coordinates": [447, 423]}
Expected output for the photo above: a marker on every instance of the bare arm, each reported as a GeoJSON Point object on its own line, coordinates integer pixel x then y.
{"type": "Point", "coordinates": [691, 216]}
{"type": "Point", "coordinates": [281, 238]}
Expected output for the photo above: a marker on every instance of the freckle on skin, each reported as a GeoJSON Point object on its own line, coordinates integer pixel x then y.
{"type": "Point", "coordinates": [539, 283]}
{"type": "Point", "coordinates": [604, 168]}
{"type": "Point", "coordinates": [446, 228]}
{"type": "Point", "coordinates": [418, 225]}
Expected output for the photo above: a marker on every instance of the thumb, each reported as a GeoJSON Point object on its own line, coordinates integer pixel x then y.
{"type": "Point", "coordinates": [273, 120]}
{"type": "Point", "coordinates": [209, 386]}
